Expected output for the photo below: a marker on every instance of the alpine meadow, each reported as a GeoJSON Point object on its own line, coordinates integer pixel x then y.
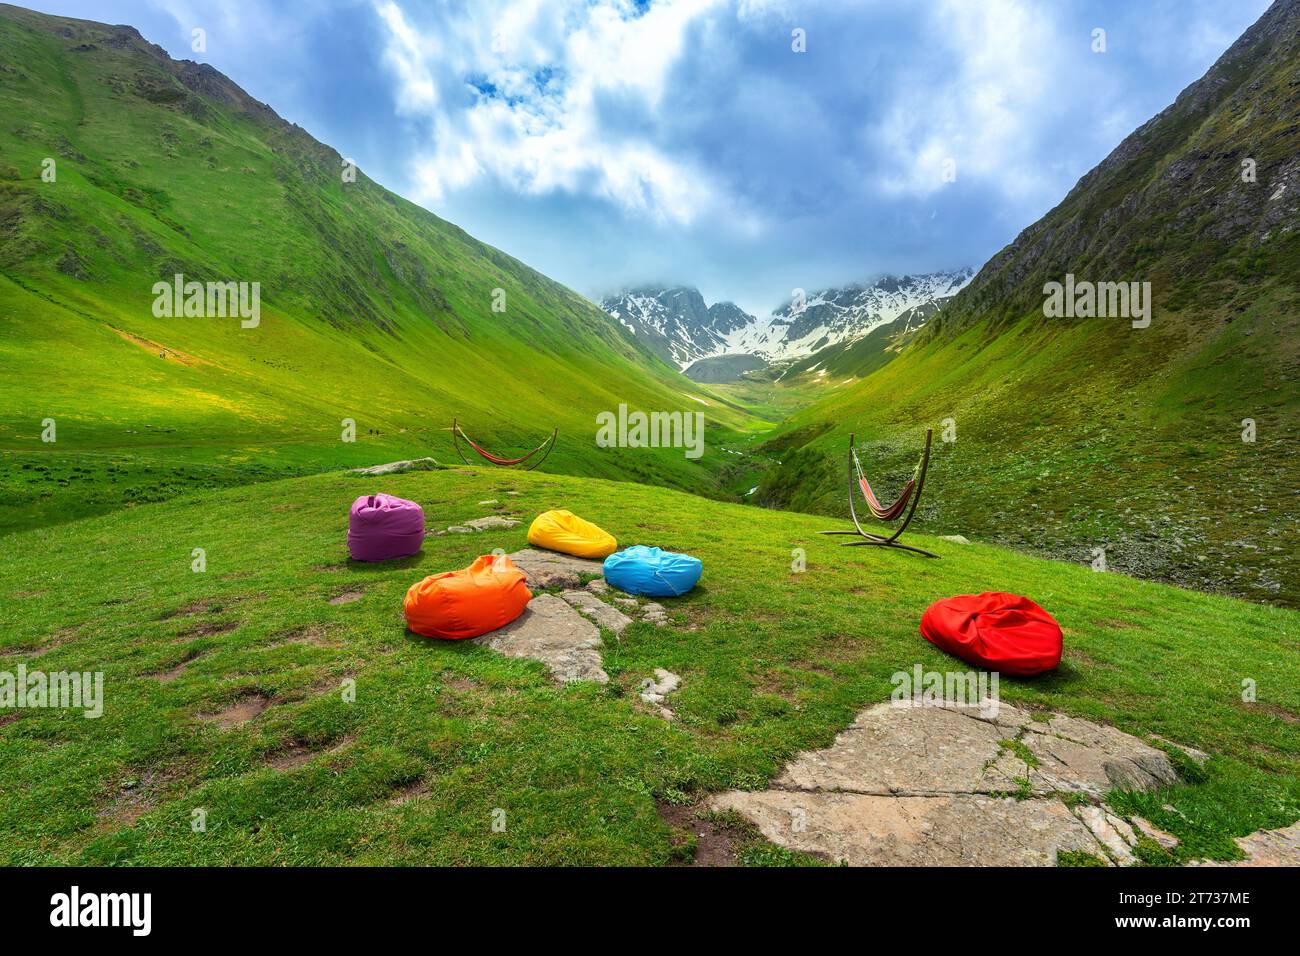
{"type": "Point", "coordinates": [899, 472]}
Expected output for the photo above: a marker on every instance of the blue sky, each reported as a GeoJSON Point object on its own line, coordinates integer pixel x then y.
{"type": "Point", "coordinates": [612, 142]}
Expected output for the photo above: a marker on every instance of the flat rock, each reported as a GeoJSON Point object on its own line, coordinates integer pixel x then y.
{"type": "Point", "coordinates": [550, 569]}
{"type": "Point", "coordinates": [490, 522]}
{"type": "Point", "coordinates": [597, 610]}
{"type": "Point", "coordinates": [955, 538]}
{"type": "Point", "coordinates": [905, 748]}
{"type": "Point", "coordinates": [1092, 758]}
{"type": "Point", "coordinates": [929, 785]}
{"type": "Point", "coordinates": [922, 751]}
{"type": "Point", "coordinates": [395, 466]}
{"type": "Point", "coordinates": [1266, 848]}
{"type": "Point", "coordinates": [552, 632]}
{"type": "Point", "coordinates": [957, 830]}
{"type": "Point", "coordinates": [666, 681]}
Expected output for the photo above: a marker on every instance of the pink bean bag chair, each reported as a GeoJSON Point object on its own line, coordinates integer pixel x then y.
{"type": "Point", "coordinates": [382, 527]}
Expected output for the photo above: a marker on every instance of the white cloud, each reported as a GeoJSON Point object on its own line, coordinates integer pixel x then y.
{"type": "Point", "coordinates": [983, 112]}
{"type": "Point", "coordinates": [408, 55]}
{"type": "Point", "coordinates": [521, 92]}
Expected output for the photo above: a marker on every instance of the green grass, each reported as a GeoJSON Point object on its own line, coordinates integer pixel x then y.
{"type": "Point", "coordinates": [772, 663]}
{"type": "Point", "coordinates": [372, 309]}
{"type": "Point", "coordinates": [772, 401]}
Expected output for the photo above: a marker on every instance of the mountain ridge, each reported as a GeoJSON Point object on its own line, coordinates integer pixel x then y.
{"type": "Point", "coordinates": [677, 324]}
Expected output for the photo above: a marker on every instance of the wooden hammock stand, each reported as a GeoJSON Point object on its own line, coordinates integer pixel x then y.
{"type": "Point", "coordinates": [907, 501]}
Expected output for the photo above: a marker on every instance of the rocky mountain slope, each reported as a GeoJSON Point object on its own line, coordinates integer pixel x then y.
{"type": "Point", "coordinates": [807, 323]}
{"type": "Point", "coordinates": [677, 325]}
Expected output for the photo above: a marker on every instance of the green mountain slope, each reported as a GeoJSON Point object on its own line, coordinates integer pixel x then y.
{"type": "Point", "coordinates": [1079, 434]}
{"type": "Point", "coordinates": [442, 733]}
{"type": "Point", "coordinates": [371, 308]}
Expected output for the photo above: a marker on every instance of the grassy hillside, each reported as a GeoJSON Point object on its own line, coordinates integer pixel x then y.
{"type": "Point", "coordinates": [441, 734]}
{"type": "Point", "coordinates": [1074, 435]}
{"type": "Point", "coordinates": [371, 308]}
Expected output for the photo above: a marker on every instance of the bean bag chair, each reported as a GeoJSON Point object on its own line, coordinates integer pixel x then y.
{"type": "Point", "coordinates": [652, 572]}
{"type": "Point", "coordinates": [454, 605]}
{"type": "Point", "coordinates": [1002, 632]}
{"type": "Point", "coordinates": [381, 527]}
{"type": "Point", "coordinates": [565, 531]}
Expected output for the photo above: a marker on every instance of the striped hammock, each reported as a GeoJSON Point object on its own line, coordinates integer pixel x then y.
{"type": "Point", "coordinates": [458, 432]}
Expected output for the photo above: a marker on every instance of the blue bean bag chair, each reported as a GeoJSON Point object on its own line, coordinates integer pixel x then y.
{"type": "Point", "coordinates": [652, 572]}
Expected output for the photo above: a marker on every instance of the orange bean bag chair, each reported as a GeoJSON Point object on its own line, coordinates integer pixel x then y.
{"type": "Point", "coordinates": [1003, 632]}
{"type": "Point", "coordinates": [454, 605]}
{"type": "Point", "coordinates": [564, 531]}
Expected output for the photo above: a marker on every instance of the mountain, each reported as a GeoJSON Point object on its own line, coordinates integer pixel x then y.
{"type": "Point", "coordinates": [675, 323]}
{"type": "Point", "coordinates": [864, 354]}
{"type": "Point", "coordinates": [805, 324]}
{"type": "Point", "coordinates": [121, 168]}
{"type": "Point", "coordinates": [717, 369]}
{"type": "Point", "coordinates": [680, 328]}
{"type": "Point", "coordinates": [1162, 448]}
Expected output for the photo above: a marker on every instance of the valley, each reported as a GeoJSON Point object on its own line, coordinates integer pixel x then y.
{"type": "Point", "coordinates": [372, 310]}
{"type": "Point", "coordinates": [224, 348]}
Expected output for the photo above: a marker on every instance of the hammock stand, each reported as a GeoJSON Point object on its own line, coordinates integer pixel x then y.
{"type": "Point", "coordinates": [907, 501]}
{"type": "Point", "coordinates": [457, 433]}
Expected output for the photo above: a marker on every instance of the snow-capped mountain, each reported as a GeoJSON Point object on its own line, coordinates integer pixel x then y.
{"type": "Point", "coordinates": [677, 325]}
{"type": "Point", "coordinates": [808, 323]}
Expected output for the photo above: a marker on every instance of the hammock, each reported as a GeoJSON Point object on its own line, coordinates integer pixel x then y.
{"type": "Point", "coordinates": [883, 512]}
{"type": "Point", "coordinates": [907, 501]}
{"type": "Point", "coordinates": [457, 432]}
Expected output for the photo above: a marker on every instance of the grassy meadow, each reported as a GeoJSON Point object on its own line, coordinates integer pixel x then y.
{"type": "Point", "coordinates": [440, 735]}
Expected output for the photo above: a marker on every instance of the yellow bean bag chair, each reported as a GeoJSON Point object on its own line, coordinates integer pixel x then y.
{"type": "Point", "coordinates": [564, 531]}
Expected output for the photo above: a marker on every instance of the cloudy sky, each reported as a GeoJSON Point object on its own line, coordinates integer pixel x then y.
{"type": "Point", "coordinates": [614, 142]}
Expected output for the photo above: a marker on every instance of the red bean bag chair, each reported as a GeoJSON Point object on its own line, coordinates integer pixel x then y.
{"type": "Point", "coordinates": [1002, 632]}
{"type": "Point", "coordinates": [454, 605]}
